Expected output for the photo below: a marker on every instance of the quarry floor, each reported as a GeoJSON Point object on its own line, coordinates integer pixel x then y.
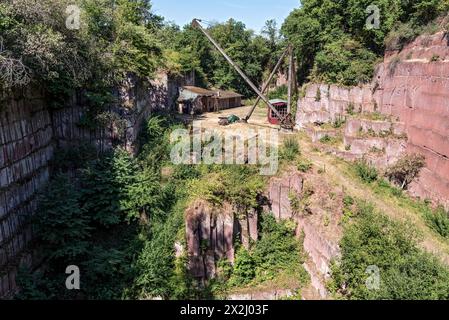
{"type": "Point", "coordinates": [257, 122]}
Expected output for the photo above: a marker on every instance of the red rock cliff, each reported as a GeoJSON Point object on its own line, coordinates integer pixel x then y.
{"type": "Point", "coordinates": [413, 87]}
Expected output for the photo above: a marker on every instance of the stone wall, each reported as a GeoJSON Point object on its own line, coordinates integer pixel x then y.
{"type": "Point", "coordinates": [29, 134]}
{"type": "Point", "coordinates": [279, 192]}
{"type": "Point", "coordinates": [412, 88]}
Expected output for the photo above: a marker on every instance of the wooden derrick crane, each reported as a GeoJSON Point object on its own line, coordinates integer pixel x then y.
{"type": "Point", "coordinates": [286, 121]}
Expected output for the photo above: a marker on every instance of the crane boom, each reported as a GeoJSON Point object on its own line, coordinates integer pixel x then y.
{"type": "Point", "coordinates": [265, 87]}
{"type": "Point", "coordinates": [196, 23]}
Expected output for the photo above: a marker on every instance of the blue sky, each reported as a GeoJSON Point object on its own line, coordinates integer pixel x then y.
{"type": "Point", "coordinates": [253, 13]}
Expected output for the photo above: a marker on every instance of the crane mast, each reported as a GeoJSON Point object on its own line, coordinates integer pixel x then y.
{"type": "Point", "coordinates": [196, 24]}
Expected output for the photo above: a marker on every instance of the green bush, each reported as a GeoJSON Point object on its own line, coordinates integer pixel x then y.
{"type": "Point", "coordinates": [244, 268]}
{"type": "Point", "coordinates": [304, 165]}
{"type": "Point", "coordinates": [61, 225]}
{"type": "Point", "coordinates": [406, 273]}
{"type": "Point", "coordinates": [365, 171]}
{"type": "Point", "coordinates": [277, 252]}
{"type": "Point", "coordinates": [438, 220]}
{"type": "Point", "coordinates": [279, 93]}
{"type": "Point", "coordinates": [290, 149]}
{"type": "Point", "coordinates": [406, 170]}
{"type": "Point", "coordinates": [277, 248]}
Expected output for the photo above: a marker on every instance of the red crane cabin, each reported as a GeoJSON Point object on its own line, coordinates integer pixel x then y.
{"type": "Point", "coordinates": [281, 107]}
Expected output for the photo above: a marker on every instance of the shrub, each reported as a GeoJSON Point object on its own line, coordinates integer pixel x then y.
{"type": "Point", "coordinates": [365, 171]}
{"type": "Point", "coordinates": [61, 224]}
{"type": "Point", "coordinates": [304, 165]}
{"type": "Point", "coordinates": [400, 36]}
{"type": "Point", "coordinates": [277, 249]}
{"type": "Point", "coordinates": [290, 149]}
{"type": "Point", "coordinates": [338, 122]}
{"type": "Point", "coordinates": [277, 252]}
{"type": "Point", "coordinates": [438, 221]}
{"type": "Point", "coordinates": [350, 109]}
{"type": "Point", "coordinates": [435, 58]}
{"type": "Point", "coordinates": [244, 268]}
{"type": "Point", "coordinates": [327, 139]}
{"type": "Point", "coordinates": [406, 170]}
{"type": "Point", "coordinates": [279, 93]}
{"type": "Point", "coordinates": [405, 271]}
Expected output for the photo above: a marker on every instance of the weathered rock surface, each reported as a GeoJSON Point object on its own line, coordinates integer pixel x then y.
{"type": "Point", "coordinates": [210, 237]}
{"type": "Point", "coordinates": [30, 131]}
{"type": "Point", "coordinates": [211, 233]}
{"type": "Point", "coordinates": [412, 88]}
{"type": "Point", "coordinates": [320, 239]}
{"type": "Point", "coordinates": [279, 193]}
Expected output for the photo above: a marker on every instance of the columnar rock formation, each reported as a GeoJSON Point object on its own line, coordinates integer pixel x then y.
{"type": "Point", "coordinates": [411, 87]}
{"type": "Point", "coordinates": [30, 131]}
{"type": "Point", "coordinates": [211, 233]}
{"type": "Point", "coordinates": [210, 237]}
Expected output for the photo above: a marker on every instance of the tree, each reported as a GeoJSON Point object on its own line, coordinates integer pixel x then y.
{"type": "Point", "coordinates": [61, 224]}
{"type": "Point", "coordinates": [406, 170]}
{"type": "Point", "coordinates": [320, 27]}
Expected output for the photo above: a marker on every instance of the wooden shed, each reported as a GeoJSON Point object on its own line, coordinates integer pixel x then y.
{"type": "Point", "coordinates": [199, 100]}
{"type": "Point", "coordinates": [195, 100]}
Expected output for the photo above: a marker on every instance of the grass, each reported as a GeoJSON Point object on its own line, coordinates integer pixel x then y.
{"type": "Point", "coordinates": [332, 141]}
{"type": "Point", "coordinates": [396, 204]}
{"type": "Point", "coordinates": [290, 149]}
{"type": "Point", "coordinates": [304, 165]}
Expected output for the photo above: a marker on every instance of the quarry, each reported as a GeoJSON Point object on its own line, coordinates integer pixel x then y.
{"type": "Point", "coordinates": [343, 177]}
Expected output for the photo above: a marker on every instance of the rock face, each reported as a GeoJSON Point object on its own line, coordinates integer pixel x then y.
{"type": "Point", "coordinates": [417, 92]}
{"type": "Point", "coordinates": [210, 237]}
{"type": "Point", "coordinates": [279, 193]}
{"type": "Point", "coordinates": [30, 131]}
{"type": "Point", "coordinates": [320, 242]}
{"type": "Point", "coordinates": [321, 251]}
{"type": "Point", "coordinates": [325, 103]}
{"type": "Point", "coordinates": [412, 88]}
{"type": "Point", "coordinates": [211, 233]}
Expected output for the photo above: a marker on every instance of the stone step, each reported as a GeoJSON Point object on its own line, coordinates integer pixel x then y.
{"type": "Point", "coordinates": [375, 128]}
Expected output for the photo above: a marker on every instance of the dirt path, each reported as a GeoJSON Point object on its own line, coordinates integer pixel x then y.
{"type": "Point", "coordinates": [337, 171]}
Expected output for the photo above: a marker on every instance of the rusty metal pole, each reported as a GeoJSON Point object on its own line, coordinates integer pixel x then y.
{"type": "Point", "coordinates": [267, 84]}
{"type": "Point", "coordinates": [196, 23]}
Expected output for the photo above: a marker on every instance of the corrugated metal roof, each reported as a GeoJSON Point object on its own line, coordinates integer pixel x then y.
{"type": "Point", "coordinates": [278, 101]}
{"type": "Point", "coordinates": [191, 93]}
{"type": "Point", "coordinates": [223, 94]}
{"type": "Point", "coordinates": [199, 91]}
